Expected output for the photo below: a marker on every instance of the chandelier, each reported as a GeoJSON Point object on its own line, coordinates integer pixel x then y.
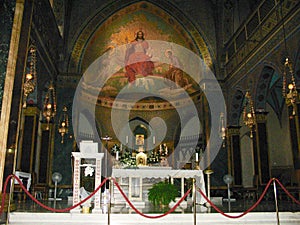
{"type": "Point", "coordinates": [289, 88]}
{"type": "Point", "coordinates": [49, 107]}
{"type": "Point", "coordinates": [30, 77]}
{"type": "Point", "coordinates": [249, 113]}
{"type": "Point", "coordinates": [63, 124]}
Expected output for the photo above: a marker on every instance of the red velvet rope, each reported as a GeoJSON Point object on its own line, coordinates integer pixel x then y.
{"type": "Point", "coordinates": [147, 216]}
{"type": "Point", "coordinates": [287, 192]}
{"type": "Point", "coordinates": [3, 195]}
{"type": "Point", "coordinates": [133, 207]}
{"type": "Point", "coordinates": [242, 214]}
{"type": "Point", "coordinates": [41, 204]}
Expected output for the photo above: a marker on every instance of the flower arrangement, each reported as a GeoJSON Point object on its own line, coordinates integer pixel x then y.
{"type": "Point", "coordinates": [127, 160]}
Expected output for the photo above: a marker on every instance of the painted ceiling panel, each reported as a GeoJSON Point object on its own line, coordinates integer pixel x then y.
{"type": "Point", "coordinates": [122, 27]}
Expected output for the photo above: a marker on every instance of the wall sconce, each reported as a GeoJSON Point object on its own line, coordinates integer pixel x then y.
{"type": "Point", "coordinates": [249, 113]}
{"type": "Point", "coordinates": [222, 128]}
{"type": "Point", "coordinates": [30, 77]}
{"type": "Point", "coordinates": [49, 108]}
{"type": "Point", "coordinates": [63, 124]}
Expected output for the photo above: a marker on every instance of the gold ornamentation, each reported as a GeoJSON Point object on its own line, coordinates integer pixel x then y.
{"type": "Point", "coordinates": [30, 78]}
{"type": "Point", "coordinates": [63, 124]}
{"type": "Point", "coordinates": [249, 113]}
{"type": "Point", "coordinates": [291, 96]}
{"type": "Point", "coordinates": [49, 109]}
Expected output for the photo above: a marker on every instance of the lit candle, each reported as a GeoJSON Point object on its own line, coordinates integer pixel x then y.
{"type": "Point", "coordinates": [197, 157]}
{"type": "Point", "coordinates": [117, 155]}
{"type": "Point", "coordinates": [126, 139]}
{"type": "Point", "coordinates": [154, 140]}
{"type": "Point", "coordinates": [121, 148]}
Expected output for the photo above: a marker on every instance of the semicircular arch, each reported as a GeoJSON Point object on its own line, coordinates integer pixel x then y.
{"type": "Point", "coordinates": [88, 45]}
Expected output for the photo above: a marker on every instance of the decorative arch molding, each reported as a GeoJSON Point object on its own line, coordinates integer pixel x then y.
{"type": "Point", "coordinates": [236, 108]}
{"type": "Point", "coordinates": [141, 120]}
{"type": "Point", "coordinates": [274, 93]}
{"type": "Point", "coordinates": [164, 9]}
{"type": "Point", "coordinates": [263, 87]}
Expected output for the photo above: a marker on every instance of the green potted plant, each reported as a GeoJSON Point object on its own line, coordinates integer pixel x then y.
{"type": "Point", "coordinates": [162, 193]}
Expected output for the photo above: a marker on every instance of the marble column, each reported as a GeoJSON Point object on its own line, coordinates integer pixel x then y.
{"type": "Point", "coordinates": [234, 154]}
{"type": "Point", "coordinates": [294, 123]}
{"type": "Point", "coordinates": [261, 149]}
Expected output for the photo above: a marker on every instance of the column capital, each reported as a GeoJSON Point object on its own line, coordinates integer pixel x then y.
{"type": "Point", "coordinates": [233, 130]}
{"type": "Point", "coordinates": [261, 116]}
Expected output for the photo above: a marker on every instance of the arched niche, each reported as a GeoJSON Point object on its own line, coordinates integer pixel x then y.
{"type": "Point", "coordinates": [114, 26]}
{"type": "Point", "coordinates": [143, 135]}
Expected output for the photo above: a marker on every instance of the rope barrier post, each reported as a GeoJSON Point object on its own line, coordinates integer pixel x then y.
{"type": "Point", "coordinates": [12, 184]}
{"type": "Point", "coordinates": [12, 181]}
{"type": "Point", "coordinates": [194, 200]}
{"type": "Point", "coordinates": [109, 203]}
{"type": "Point", "coordinates": [208, 172]}
{"type": "Point", "coordinates": [276, 201]}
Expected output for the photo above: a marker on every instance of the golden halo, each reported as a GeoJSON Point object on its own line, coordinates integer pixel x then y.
{"type": "Point", "coordinates": [135, 33]}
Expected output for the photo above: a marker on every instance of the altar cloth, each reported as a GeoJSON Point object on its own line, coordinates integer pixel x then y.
{"type": "Point", "coordinates": [165, 172]}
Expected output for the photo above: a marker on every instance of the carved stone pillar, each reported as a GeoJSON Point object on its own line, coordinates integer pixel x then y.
{"type": "Point", "coordinates": [234, 154]}
{"type": "Point", "coordinates": [294, 123]}
{"type": "Point", "coordinates": [295, 135]}
{"type": "Point", "coordinates": [13, 47]}
{"type": "Point", "coordinates": [44, 155]}
{"type": "Point", "coordinates": [261, 152]}
{"type": "Point", "coordinates": [28, 139]}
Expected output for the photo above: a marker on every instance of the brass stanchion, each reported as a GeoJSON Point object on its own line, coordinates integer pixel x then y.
{"type": "Point", "coordinates": [11, 204]}
{"type": "Point", "coordinates": [109, 203]}
{"type": "Point", "coordinates": [276, 202]}
{"type": "Point", "coordinates": [194, 200]}
{"type": "Point", "coordinates": [208, 172]}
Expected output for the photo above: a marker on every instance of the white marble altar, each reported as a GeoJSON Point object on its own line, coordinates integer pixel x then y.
{"type": "Point", "coordinates": [133, 180]}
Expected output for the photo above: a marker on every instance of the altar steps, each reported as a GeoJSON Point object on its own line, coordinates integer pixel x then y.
{"type": "Point", "coordinates": [266, 218]}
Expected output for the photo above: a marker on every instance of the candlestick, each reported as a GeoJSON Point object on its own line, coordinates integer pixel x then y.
{"type": "Point", "coordinates": [117, 155]}
{"type": "Point", "coordinates": [154, 140]}
{"type": "Point", "coordinates": [197, 157]}
{"type": "Point", "coordinates": [126, 139]}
